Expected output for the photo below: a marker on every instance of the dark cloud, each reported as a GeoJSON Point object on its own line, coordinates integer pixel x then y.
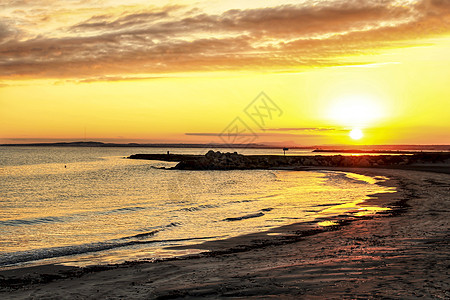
{"type": "Point", "coordinates": [104, 22]}
{"type": "Point", "coordinates": [7, 32]}
{"type": "Point", "coordinates": [4, 32]}
{"type": "Point", "coordinates": [287, 20]}
{"type": "Point", "coordinates": [116, 78]}
{"type": "Point", "coordinates": [320, 129]}
{"type": "Point", "coordinates": [155, 41]}
{"type": "Point", "coordinates": [260, 134]}
{"type": "Point", "coordinates": [84, 57]}
{"type": "Point", "coordinates": [310, 20]}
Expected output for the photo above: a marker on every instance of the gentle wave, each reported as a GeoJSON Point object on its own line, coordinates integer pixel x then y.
{"type": "Point", "coordinates": [46, 253]}
{"type": "Point", "coordinates": [141, 235]}
{"type": "Point", "coordinates": [327, 204]}
{"type": "Point", "coordinates": [197, 208]}
{"type": "Point", "coordinates": [267, 209]}
{"type": "Point", "coordinates": [151, 233]}
{"type": "Point", "coordinates": [335, 176]}
{"type": "Point", "coordinates": [53, 219]}
{"type": "Point", "coordinates": [249, 216]}
{"type": "Point", "coordinates": [256, 215]}
{"type": "Point", "coordinates": [33, 221]}
{"type": "Point", "coordinates": [122, 210]}
{"type": "Point", "coordinates": [240, 201]}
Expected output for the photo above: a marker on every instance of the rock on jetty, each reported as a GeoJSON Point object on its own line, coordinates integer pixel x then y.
{"type": "Point", "coordinates": [231, 161]}
{"type": "Point", "coordinates": [234, 161]}
{"type": "Point", "coordinates": [219, 161]}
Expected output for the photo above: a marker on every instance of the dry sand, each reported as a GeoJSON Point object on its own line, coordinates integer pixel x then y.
{"type": "Point", "coordinates": [401, 256]}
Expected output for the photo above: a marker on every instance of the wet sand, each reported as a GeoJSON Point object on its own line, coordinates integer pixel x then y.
{"type": "Point", "coordinates": [403, 254]}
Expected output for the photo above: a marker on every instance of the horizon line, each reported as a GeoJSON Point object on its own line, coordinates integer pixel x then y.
{"type": "Point", "coordinates": [222, 145]}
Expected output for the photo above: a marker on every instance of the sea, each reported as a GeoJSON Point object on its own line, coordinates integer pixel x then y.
{"type": "Point", "coordinates": [83, 206]}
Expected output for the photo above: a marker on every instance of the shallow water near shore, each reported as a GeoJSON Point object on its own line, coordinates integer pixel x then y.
{"type": "Point", "coordinates": [84, 206]}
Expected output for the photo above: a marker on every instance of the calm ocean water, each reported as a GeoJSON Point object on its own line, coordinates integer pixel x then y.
{"type": "Point", "coordinates": [82, 206]}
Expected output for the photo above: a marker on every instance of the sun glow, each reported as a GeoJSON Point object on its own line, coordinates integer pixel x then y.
{"type": "Point", "coordinates": [356, 134]}
{"type": "Point", "coordinates": [355, 110]}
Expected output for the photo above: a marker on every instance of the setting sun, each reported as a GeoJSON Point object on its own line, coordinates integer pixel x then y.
{"type": "Point", "coordinates": [356, 134]}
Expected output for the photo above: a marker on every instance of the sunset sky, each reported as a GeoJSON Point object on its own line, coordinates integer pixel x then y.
{"type": "Point", "coordinates": [184, 71]}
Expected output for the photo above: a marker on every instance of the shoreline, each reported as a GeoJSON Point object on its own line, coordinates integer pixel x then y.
{"type": "Point", "coordinates": [285, 236]}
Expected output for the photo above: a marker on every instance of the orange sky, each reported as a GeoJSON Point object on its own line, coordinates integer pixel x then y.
{"type": "Point", "coordinates": [139, 71]}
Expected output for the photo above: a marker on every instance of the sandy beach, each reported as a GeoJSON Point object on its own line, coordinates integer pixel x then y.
{"type": "Point", "coordinates": [403, 254]}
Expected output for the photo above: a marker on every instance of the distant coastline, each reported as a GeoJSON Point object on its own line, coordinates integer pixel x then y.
{"type": "Point", "coordinates": [175, 145]}
{"type": "Point", "coordinates": [399, 149]}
